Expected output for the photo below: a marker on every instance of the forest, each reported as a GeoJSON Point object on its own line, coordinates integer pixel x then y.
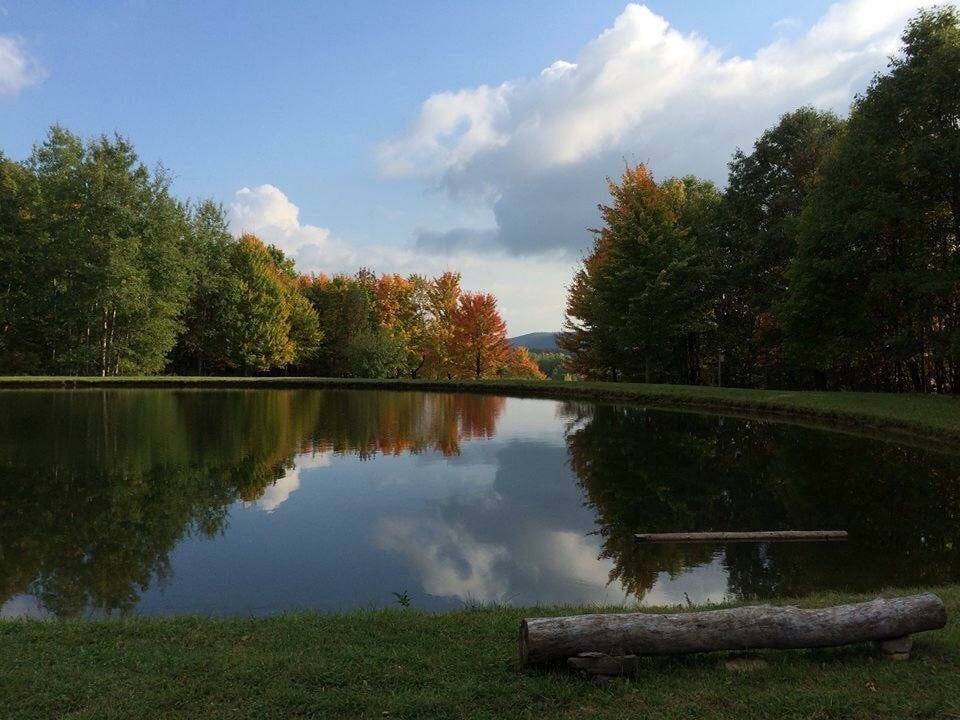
{"type": "Point", "coordinates": [104, 272]}
{"type": "Point", "coordinates": [831, 260]}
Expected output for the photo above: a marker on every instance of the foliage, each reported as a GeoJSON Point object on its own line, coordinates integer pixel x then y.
{"type": "Point", "coordinates": [520, 364]}
{"type": "Point", "coordinates": [885, 219]}
{"type": "Point", "coordinates": [479, 337]}
{"type": "Point", "coordinates": [95, 265]}
{"type": "Point", "coordinates": [392, 326]}
{"type": "Point", "coordinates": [759, 215]}
{"type": "Point", "coordinates": [640, 306]}
{"type": "Point", "coordinates": [832, 258]}
{"type": "Point", "coordinates": [103, 272]}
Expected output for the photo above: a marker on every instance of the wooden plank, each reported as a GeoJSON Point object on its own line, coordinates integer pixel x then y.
{"type": "Point", "coordinates": [727, 537]}
{"type": "Point", "coordinates": [622, 635]}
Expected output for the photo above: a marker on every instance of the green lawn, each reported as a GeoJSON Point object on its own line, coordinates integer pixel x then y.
{"type": "Point", "coordinates": [932, 416]}
{"type": "Point", "coordinates": [409, 664]}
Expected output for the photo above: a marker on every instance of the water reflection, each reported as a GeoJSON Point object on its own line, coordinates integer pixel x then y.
{"type": "Point", "coordinates": [96, 488]}
{"type": "Point", "coordinates": [258, 501]}
{"type": "Point", "coordinates": [653, 471]}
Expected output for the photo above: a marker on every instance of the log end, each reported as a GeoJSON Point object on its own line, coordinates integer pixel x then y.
{"type": "Point", "coordinates": [522, 645]}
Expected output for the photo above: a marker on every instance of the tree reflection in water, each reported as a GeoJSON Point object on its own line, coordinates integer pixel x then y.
{"type": "Point", "coordinates": [97, 487]}
{"type": "Point", "coordinates": [650, 471]}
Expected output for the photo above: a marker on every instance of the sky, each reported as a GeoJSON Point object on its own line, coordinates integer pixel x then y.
{"type": "Point", "coordinates": [426, 136]}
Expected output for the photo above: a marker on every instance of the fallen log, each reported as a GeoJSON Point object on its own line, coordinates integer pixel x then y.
{"type": "Point", "coordinates": [621, 635]}
{"type": "Point", "coordinates": [727, 537]}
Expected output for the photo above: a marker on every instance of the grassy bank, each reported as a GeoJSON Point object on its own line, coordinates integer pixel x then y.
{"type": "Point", "coordinates": [929, 416]}
{"type": "Point", "coordinates": [407, 664]}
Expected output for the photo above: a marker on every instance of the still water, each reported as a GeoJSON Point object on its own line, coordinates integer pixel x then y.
{"type": "Point", "coordinates": [259, 501]}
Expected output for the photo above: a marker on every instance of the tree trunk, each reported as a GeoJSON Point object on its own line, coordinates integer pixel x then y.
{"type": "Point", "coordinates": [550, 640]}
{"type": "Point", "coordinates": [103, 345]}
{"type": "Point", "coordinates": [915, 376]}
{"type": "Point", "coordinates": [416, 371]}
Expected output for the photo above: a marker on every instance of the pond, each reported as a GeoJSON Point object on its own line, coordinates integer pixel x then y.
{"type": "Point", "coordinates": [221, 502]}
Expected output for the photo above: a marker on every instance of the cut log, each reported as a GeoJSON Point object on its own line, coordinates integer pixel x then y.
{"type": "Point", "coordinates": [727, 537]}
{"type": "Point", "coordinates": [551, 640]}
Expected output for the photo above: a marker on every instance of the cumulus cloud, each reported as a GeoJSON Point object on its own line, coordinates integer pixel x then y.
{"type": "Point", "coordinates": [280, 491]}
{"type": "Point", "coordinates": [449, 560]}
{"type": "Point", "coordinates": [266, 211]}
{"type": "Point", "coordinates": [537, 149]}
{"type": "Point", "coordinates": [18, 68]}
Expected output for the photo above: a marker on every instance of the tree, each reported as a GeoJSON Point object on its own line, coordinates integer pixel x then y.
{"type": "Point", "coordinates": [258, 320]}
{"type": "Point", "coordinates": [874, 298]}
{"type": "Point", "coordinates": [439, 350]}
{"type": "Point", "coordinates": [520, 364]}
{"type": "Point", "coordinates": [400, 309]}
{"type": "Point", "coordinates": [109, 261]}
{"type": "Point", "coordinates": [198, 349]}
{"type": "Point", "coordinates": [479, 336]}
{"type": "Point", "coordinates": [552, 364]}
{"type": "Point", "coordinates": [759, 214]}
{"type": "Point", "coordinates": [344, 306]}
{"type": "Point", "coordinates": [19, 351]}
{"type": "Point", "coordinates": [641, 303]}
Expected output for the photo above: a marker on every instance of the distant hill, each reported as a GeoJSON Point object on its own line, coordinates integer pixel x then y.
{"type": "Point", "coordinates": [542, 341]}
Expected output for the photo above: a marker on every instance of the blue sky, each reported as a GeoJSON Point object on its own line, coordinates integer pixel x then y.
{"type": "Point", "coordinates": [428, 135]}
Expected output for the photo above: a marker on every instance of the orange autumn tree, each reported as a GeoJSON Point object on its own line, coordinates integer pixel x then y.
{"type": "Point", "coordinates": [479, 336]}
{"type": "Point", "coordinates": [521, 365]}
{"type": "Point", "coordinates": [439, 348]}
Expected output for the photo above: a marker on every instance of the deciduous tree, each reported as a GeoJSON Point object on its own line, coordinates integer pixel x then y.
{"type": "Point", "coordinates": [479, 336]}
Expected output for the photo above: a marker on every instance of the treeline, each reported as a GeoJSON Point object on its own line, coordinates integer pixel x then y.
{"type": "Point", "coordinates": [831, 260]}
{"type": "Point", "coordinates": [103, 271]}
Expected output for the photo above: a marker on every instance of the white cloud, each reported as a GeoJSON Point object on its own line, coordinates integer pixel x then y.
{"type": "Point", "coordinates": [18, 68]}
{"type": "Point", "coordinates": [537, 149]}
{"type": "Point", "coordinates": [787, 23]}
{"type": "Point", "coordinates": [267, 212]}
{"type": "Point", "coordinates": [449, 560]}
{"type": "Point", "coordinates": [280, 491]}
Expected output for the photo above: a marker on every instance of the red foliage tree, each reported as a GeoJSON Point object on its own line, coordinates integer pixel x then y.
{"type": "Point", "coordinates": [479, 336]}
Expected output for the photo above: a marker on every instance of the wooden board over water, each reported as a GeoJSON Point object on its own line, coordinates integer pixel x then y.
{"type": "Point", "coordinates": [727, 537]}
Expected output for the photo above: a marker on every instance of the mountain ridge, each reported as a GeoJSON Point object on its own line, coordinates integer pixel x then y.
{"type": "Point", "coordinates": [540, 341]}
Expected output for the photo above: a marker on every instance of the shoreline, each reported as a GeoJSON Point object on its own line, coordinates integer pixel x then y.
{"type": "Point", "coordinates": [925, 417]}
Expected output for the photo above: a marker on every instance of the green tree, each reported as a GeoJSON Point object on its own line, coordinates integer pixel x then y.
{"type": "Point", "coordinates": [19, 257]}
{"type": "Point", "coordinates": [106, 248]}
{"type": "Point", "coordinates": [198, 349]}
{"type": "Point", "coordinates": [344, 306]}
{"type": "Point", "coordinates": [253, 309]}
{"type": "Point", "coordinates": [759, 213]}
{"type": "Point", "coordinates": [640, 306]}
{"type": "Point", "coordinates": [551, 364]}
{"type": "Point", "coordinates": [874, 295]}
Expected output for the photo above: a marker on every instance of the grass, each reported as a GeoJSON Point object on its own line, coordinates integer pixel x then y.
{"type": "Point", "coordinates": [409, 664]}
{"type": "Point", "coordinates": [933, 417]}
